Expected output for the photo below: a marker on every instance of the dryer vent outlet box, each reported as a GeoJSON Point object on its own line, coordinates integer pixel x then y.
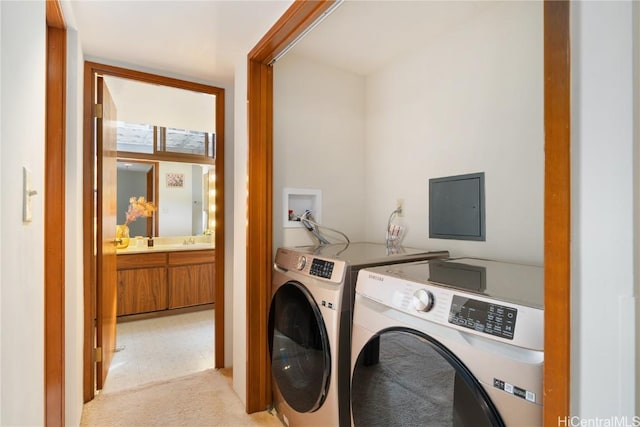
{"type": "Point", "coordinates": [456, 207]}
{"type": "Point", "coordinates": [296, 201]}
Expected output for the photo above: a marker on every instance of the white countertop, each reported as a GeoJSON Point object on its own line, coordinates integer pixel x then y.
{"type": "Point", "coordinates": [133, 249]}
{"type": "Point", "coordinates": [168, 244]}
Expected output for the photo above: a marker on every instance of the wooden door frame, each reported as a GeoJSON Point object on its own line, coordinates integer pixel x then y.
{"type": "Point", "coordinates": [557, 212]}
{"type": "Point", "coordinates": [54, 216]}
{"type": "Point", "coordinates": [90, 70]}
{"type": "Point", "coordinates": [294, 22]}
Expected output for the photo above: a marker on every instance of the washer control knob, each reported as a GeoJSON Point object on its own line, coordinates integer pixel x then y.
{"type": "Point", "coordinates": [423, 300]}
{"type": "Point", "coordinates": [302, 261]}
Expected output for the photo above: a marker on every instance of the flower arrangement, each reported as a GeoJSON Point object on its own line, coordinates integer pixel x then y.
{"type": "Point", "coordinates": [139, 206]}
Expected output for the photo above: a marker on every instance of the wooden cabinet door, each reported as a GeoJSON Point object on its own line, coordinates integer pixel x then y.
{"type": "Point", "coordinates": [142, 290]}
{"type": "Point", "coordinates": [191, 285]}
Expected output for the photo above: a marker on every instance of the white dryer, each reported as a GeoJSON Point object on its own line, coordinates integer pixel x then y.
{"type": "Point", "coordinates": [310, 327]}
{"type": "Point", "coordinates": [448, 343]}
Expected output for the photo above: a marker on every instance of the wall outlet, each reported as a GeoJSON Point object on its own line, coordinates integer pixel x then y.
{"type": "Point", "coordinates": [400, 207]}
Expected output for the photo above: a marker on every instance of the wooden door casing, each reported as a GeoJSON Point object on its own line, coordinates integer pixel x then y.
{"type": "Point", "coordinates": [91, 70]}
{"type": "Point", "coordinates": [54, 216]}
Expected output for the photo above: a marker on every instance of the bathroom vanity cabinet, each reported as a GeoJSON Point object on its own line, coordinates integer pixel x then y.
{"type": "Point", "coordinates": [160, 281]}
{"type": "Point", "coordinates": [191, 276]}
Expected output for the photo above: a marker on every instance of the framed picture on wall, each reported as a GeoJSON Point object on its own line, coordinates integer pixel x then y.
{"type": "Point", "coordinates": [175, 180]}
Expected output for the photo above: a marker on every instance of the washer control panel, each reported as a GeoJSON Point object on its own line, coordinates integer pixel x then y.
{"type": "Point", "coordinates": [310, 265]}
{"type": "Point", "coordinates": [482, 316]}
{"type": "Point", "coordinates": [321, 268]}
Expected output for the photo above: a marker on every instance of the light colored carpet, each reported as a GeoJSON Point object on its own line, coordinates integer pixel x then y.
{"type": "Point", "coordinates": [201, 399]}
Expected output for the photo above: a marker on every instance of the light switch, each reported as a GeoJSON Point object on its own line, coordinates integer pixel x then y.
{"type": "Point", "coordinates": [28, 193]}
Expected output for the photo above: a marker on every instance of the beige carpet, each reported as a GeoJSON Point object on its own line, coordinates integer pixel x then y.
{"type": "Point", "coordinates": [202, 399]}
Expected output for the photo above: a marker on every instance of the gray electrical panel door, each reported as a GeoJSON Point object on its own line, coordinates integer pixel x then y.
{"type": "Point", "coordinates": [456, 207]}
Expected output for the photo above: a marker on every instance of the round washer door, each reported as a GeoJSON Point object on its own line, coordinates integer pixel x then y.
{"type": "Point", "coordinates": [299, 348]}
{"type": "Point", "coordinates": [403, 377]}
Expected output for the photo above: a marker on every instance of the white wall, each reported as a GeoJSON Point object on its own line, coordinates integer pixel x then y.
{"type": "Point", "coordinates": [469, 101]}
{"type": "Point", "coordinates": [636, 180]}
{"type": "Point", "coordinates": [22, 254]}
{"type": "Point", "coordinates": [318, 134]}
{"type": "Point", "coordinates": [367, 142]}
{"type": "Point", "coordinates": [229, 224]}
{"type": "Point", "coordinates": [74, 285]}
{"type": "Point", "coordinates": [175, 203]}
{"type": "Point", "coordinates": [603, 259]}
{"type": "Point", "coordinates": [236, 296]}
{"type": "Point", "coordinates": [1, 205]}
{"type": "Point", "coordinates": [146, 103]}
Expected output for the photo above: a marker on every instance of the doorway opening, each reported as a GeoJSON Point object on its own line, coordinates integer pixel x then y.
{"type": "Point", "coordinates": [173, 142]}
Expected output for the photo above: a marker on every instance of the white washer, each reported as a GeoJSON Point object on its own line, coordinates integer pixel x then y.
{"type": "Point", "coordinates": [310, 324]}
{"type": "Point", "coordinates": [448, 343]}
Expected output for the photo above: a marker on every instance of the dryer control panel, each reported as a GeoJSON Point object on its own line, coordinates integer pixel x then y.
{"type": "Point", "coordinates": [464, 311]}
{"type": "Point", "coordinates": [490, 318]}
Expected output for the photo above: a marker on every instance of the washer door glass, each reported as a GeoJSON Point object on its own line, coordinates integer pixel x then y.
{"type": "Point", "coordinates": [405, 378]}
{"type": "Point", "coordinates": [299, 348]}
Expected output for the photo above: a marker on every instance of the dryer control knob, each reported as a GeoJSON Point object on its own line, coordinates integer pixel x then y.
{"type": "Point", "coordinates": [302, 261]}
{"type": "Point", "coordinates": [423, 300]}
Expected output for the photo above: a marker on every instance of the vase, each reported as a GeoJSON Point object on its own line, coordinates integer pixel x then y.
{"type": "Point", "coordinates": [122, 236]}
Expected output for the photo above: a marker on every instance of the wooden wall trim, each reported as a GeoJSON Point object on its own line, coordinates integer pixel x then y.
{"type": "Point", "coordinates": [54, 218]}
{"type": "Point", "coordinates": [259, 235]}
{"type": "Point", "coordinates": [54, 16]}
{"type": "Point", "coordinates": [557, 210]}
{"type": "Point", "coordinates": [259, 257]}
{"type": "Point", "coordinates": [294, 22]}
{"type": "Point", "coordinates": [219, 235]}
{"type": "Point", "coordinates": [126, 73]}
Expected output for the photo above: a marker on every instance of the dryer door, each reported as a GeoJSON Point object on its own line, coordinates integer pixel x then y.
{"type": "Point", "coordinates": [299, 348]}
{"type": "Point", "coordinates": [403, 377]}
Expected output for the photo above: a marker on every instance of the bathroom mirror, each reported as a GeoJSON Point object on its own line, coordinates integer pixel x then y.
{"type": "Point", "coordinates": [166, 140]}
{"type": "Point", "coordinates": [182, 191]}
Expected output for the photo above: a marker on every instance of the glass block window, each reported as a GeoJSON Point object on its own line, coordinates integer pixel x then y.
{"type": "Point", "coordinates": [134, 137]}
{"type": "Point", "coordinates": [184, 141]}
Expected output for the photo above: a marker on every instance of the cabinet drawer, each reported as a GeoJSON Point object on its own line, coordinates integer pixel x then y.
{"type": "Point", "coordinates": [191, 257]}
{"type": "Point", "coordinates": [158, 259]}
